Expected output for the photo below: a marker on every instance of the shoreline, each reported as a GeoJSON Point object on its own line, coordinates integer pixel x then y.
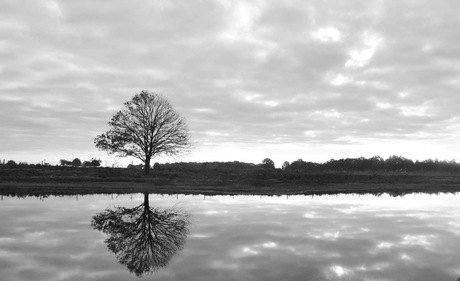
{"type": "Point", "coordinates": [36, 189]}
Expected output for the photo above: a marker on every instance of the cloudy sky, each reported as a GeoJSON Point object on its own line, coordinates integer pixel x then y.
{"type": "Point", "coordinates": [282, 79]}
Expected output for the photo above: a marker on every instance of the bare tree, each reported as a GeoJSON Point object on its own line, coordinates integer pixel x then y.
{"type": "Point", "coordinates": [145, 127]}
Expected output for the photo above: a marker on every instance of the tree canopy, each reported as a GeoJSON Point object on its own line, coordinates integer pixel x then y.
{"type": "Point", "coordinates": [145, 127]}
{"type": "Point", "coordinates": [268, 163]}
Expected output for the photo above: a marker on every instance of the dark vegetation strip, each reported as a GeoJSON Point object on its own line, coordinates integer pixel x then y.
{"type": "Point", "coordinates": [58, 180]}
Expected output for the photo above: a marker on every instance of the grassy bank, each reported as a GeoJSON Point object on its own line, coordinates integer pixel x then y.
{"type": "Point", "coordinates": [68, 180]}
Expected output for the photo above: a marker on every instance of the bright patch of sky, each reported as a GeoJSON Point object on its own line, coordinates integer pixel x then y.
{"type": "Point", "coordinates": [327, 34]}
{"type": "Point", "coordinates": [340, 80]}
{"type": "Point", "coordinates": [361, 55]}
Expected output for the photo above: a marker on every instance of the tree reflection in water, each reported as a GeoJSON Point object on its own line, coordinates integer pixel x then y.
{"type": "Point", "coordinates": [143, 238]}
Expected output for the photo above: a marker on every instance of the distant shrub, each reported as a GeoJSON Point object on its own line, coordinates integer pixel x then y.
{"type": "Point", "coordinates": [11, 163]}
{"type": "Point", "coordinates": [268, 163]}
{"type": "Point", "coordinates": [65, 162]}
{"type": "Point", "coordinates": [92, 163]}
{"type": "Point", "coordinates": [76, 162]}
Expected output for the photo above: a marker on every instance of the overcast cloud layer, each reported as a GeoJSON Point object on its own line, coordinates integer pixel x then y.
{"type": "Point", "coordinates": [281, 79]}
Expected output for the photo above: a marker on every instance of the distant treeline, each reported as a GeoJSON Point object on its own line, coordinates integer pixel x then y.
{"type": "Point", "coordinates": [375, 164]}
{"type": "Point", "coordinates": [361, 164]}
{"type": "Point", "coordinates": [74, 163]}
{"type": "Point", "coordinates": [12, 163]}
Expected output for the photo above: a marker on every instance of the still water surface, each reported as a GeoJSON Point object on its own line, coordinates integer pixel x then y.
{"type": "Point", "coordinates": [344, 237]}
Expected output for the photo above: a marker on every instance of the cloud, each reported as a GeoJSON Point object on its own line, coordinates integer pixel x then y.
{"type": "Point", "coordinates": [327, 34]}
{"type": "Point", "coordinates": [266, 72]}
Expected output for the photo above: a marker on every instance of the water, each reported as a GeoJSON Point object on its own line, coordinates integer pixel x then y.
{"type": "Point", "coordinates": [344, 237]}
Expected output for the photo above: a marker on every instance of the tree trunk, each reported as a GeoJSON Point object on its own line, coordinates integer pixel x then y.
{"type": "Point", "coordinates": [147, 166]}
{"type": "Point", "coordinates": [146, 201]}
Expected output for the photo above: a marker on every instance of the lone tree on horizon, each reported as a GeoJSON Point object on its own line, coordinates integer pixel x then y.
{"type": "Point", "coordinates": [145, 127]}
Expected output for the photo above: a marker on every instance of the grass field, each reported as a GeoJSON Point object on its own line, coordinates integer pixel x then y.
{"type": "Point", "coordinates": [51, 180]}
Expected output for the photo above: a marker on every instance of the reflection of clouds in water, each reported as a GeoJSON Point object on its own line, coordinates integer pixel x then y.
{"type": "Point", "coordinates": [257, 249]}
{"type": "Point", "coordinates": [361, 241]}
{"type": "Point", "coordinates": [423, 240]}
{"type": "Point", "coordinates": [215, 212]}
{"type": "Point", "coordinates": [327, 236]}
{"type": "Point", "coordinates": [340, 271]}
{"type": "Point", "coordinates": [310, 215]}
{"type": "Point", "coordinates": [269, 238]}
{"type": "Point", "coordinates": [249, 251]}
{"type": "Point", "coordinates": [220, 264]}
{"type": "Point", "coordinates": [384, 245]}
{"type": "Point", "coordinates": [201, 235]}
{"type": "Point", "coordinates": [49, 241]}
{"type": "Point", "coordinates": [406, 257]}
{"type": "Point", "coordinates": [269, 245]}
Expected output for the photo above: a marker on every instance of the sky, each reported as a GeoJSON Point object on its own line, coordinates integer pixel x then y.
{"type": "Point", "coordinates": [315, 80]}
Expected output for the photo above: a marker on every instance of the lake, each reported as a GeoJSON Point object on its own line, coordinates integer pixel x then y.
{"type": "Point", "coordinates": [338, 237]}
